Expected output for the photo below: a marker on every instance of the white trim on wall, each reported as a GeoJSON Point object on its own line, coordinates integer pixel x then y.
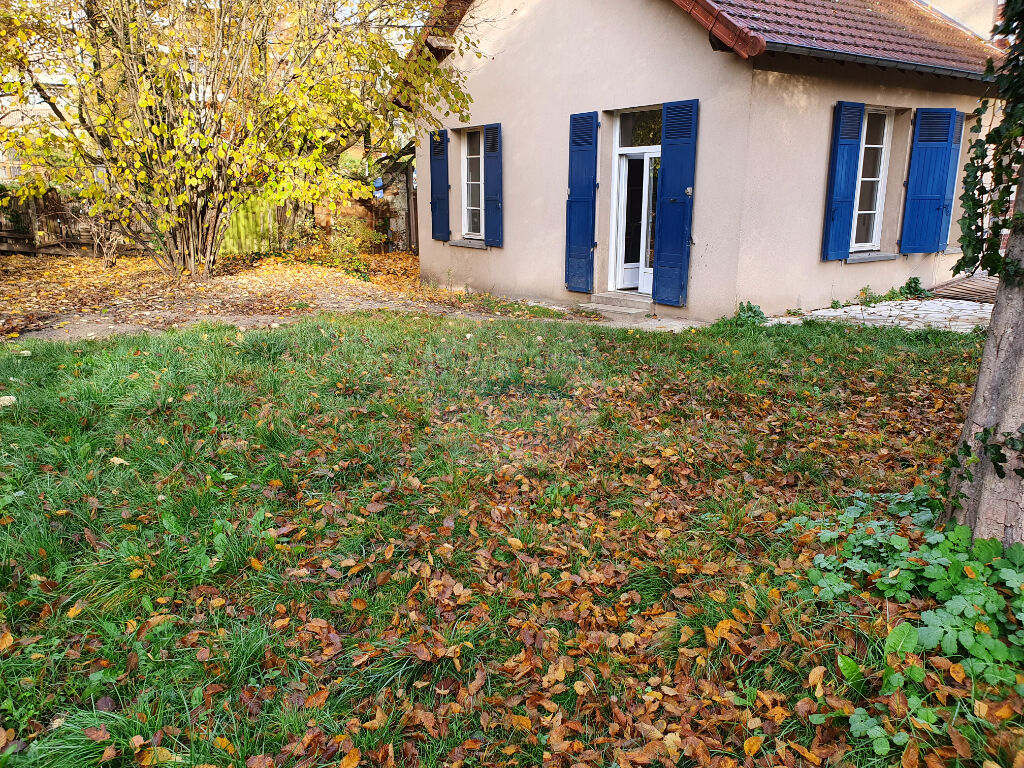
{"type": "Point", "coordinates": [875, 243]}
{"type": "Point", "coordinates": [466, 183]}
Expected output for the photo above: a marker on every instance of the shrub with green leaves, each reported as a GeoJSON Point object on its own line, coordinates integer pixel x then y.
{"type": "Point", "coordinates": [977, 613]}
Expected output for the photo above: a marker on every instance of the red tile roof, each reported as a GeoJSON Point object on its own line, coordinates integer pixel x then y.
{"type": "Point", "coordinates": [903, 33]}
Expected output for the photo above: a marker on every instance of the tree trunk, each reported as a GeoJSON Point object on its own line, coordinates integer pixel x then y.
{"type": "Point", "coordinates": [988, 495]}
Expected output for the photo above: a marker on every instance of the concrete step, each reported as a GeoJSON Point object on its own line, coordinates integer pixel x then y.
{"type": "Point", "coordinates": [617, 313]}
{"type": "Point", "coordinates": [622, 299]}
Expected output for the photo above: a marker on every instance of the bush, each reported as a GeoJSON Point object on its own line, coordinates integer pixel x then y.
{"type": "Point", "coordinates": [749, 313]}
{"type": "Point", "coordinates": [978, 612]}
{"type": "Point", "coordinates": [345, 247]}
{"type": "Point", "coordinates": [912, 289]}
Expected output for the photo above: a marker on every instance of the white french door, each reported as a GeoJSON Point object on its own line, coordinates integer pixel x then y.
{"type": "Point", "coordinates": [637, 205]}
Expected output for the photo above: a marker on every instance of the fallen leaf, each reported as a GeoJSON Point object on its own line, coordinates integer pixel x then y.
{"type": "Point", "coordinates": [960, 743]}
{"type": "Point", "coordinates": [98, 734]}
{"type": "Point", "coordinates": [752, 745]}
{"type": "Point", "coordinates": [158, 756]}
{"type": "Point", "coordinates": [316, 700]}
{"type": "Point", "coordinates": [378, 720]}
{"type": "Point", "coordinates": [351, 759]}
{"type": "Point", "coordinates": [910, 756]}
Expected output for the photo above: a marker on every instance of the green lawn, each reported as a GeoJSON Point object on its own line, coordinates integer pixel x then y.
{"type": "Point", "coordinates": [419, 541]}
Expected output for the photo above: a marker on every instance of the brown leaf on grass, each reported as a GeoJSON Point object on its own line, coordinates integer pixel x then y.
{"type": "Point", "coordinates": [6, 641]}
{"type": "Point", "coordinates": [910, 756]}
{"type": "Point", "coordinates": [260, 761]}
{"type": "Point", "coordinates": [379, 719]}
{"type": "Point", "coordinates": [98, 734]}
{"type": "Point", "coordinates": [151, 622]}
{"type": "Point", "coordinates": [351, 759]}
{"type": "Point", "coordinates": [477, 683]}
{"type": "Point", "coordinates": [159, 756]}
{"type": "Point", "coordinates": [420, 651]}
{"type": "Point", "coordinates": [960, 743]}
{"type": "Point", "coordinates": [752, 745]}
{"type": "Point", "coordinates": [521, 722]}
{"type": "Point", "coordinates": [806, 706]}
{"type": "Point", "coordinates": [805, 752]}
{"type": "Point", "coordinates": [109, 753]}
{"type": "Point", "coordinates": [316, 700]}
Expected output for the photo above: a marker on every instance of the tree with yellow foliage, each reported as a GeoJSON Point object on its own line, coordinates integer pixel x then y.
{"type": "Point", "coordinates": [167, 115]}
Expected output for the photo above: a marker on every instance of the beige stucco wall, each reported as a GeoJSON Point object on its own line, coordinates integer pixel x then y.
{"type": "Point", "coordinates": [784, 194]}
{"type": "Point", "coordinates": [547, 59]}
{"type": "Point", "coordinates": [762, 154]}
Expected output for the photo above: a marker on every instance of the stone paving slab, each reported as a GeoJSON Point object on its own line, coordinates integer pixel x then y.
{"type": "Point", "coordinates": [946, 314]}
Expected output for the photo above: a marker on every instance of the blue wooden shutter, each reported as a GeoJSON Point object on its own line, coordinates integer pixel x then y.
{"type": "Point", "coordinates": [843, 167]}
{"type": "Point", "coordinates": [674, 212]}
{"type": "Point", "coordinates": [954, 174]}
{"type": "Point", "coordinates": [580, 210]}
{"type": "Point", "coordinates": [929, 203]}
{"type": "Point", "coordinates": [440, 224]}
{"type": "Point", "coordinates": [493, 225]}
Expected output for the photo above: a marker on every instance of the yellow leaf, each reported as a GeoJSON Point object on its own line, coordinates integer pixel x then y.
{"type": "Point", "coordinates": [158, 756]}
{"type": "Point", "coordinates": [351, 760]}
{"type": "Point", "coordinates": [515, 543]}
{"type": "Point", "coordinates": [135, 574]}
{"type": "Point", "coordinates": [957, 672]}
{"type": "Point", "coordinates": [75, 609]}
{"type": "Point", "coordinates": [378, 720]}
{"type": "Point", "coordinates": [752, 745]}
{"type": "Point", "coordinates": [719, 595]}
{"type": "Point", "coordinates": [580, 687]}
{"type": "Point", "coordinates": [256, 564]}
{"type": "Point", "coordinates": [6, 641]}
{"type": "Point", "coordinates": [222, 743]}
{"type": "Point", "coordinates": [522, 723]}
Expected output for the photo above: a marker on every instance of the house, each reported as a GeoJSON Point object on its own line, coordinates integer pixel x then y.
{"type": "Point", "coordinates": [682, 156]}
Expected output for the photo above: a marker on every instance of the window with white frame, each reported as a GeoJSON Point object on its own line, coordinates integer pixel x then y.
{"type": "Point", "coordinates": [876, 142]}
{"type": "Point", "coordinates": [473, 176]}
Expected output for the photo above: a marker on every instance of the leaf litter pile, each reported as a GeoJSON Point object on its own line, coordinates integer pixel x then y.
{"type": "Point", "coordinates": [52, 292]}
{"type": "Point", "coordinates": [391, 540]}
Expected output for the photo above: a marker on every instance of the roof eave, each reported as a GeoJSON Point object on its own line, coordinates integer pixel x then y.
{"type": "Point", "coordinates": [743, 41]}
{"type": "Point", "coordinates": [803, 50]}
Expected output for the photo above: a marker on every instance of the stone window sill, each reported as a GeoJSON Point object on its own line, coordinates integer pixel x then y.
{"type": "Point", "coordinates": [863, 257]}
{"type": "Point", "coordinates": [478, 244]}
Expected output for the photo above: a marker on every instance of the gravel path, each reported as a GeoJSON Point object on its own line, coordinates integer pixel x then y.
{"type": "Point", "coordinates": [945, 314]}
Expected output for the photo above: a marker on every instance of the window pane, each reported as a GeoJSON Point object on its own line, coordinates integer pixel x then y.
{"type": "Point", "coordinates": [473, 143]}
{"type": "Point", "coordinates": [652, 208]}
{"type": "Point", "coordinates": [872, 163]}
{"type": "Point", "coordinates": [473, 169]}
{"type": "Point", "coordinates": [868, 196]}
{"type": "Point", "coordinates": [640, 129]}
{"type": "Point", "coordinates": [474, 195]}
{"type": "Point", "coordinates": [474, 222]}
{"type": "Point", "coordinates": [865, 232]}
{"type": "Point", "coordinates": [874, 132]}
{"type": "Point", "coordinates": [634, 210]}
